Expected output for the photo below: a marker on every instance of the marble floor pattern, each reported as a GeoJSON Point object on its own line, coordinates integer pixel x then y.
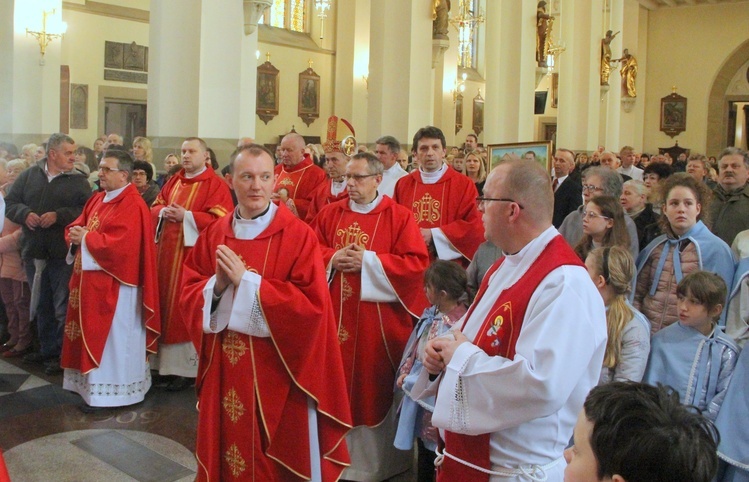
{"type": "Point", "coordinates": [44, 437]}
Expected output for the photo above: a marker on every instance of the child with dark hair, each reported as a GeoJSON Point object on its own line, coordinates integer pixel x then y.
{"type": "Point", "coordinates": [694, 355]}
{"type": "Point", "coordinates": [445, 283]}
{"type": "Point", "coordinates": [632, 432]}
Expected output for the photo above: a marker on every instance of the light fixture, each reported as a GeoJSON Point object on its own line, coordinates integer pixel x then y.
{"type": "Point", "coordinates": [466, 23]}
{"type": "Point", "coordinates": [322, 6]}
{"type": "Point", "coordinates": [56, 30]}
{"type": "Point", "coordinates": [554, 50]}
{"type": "Point", "coordinates": [460, 87]}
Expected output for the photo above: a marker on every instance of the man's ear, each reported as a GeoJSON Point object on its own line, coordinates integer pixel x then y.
{"type": "Point", "coordinates": [618, 478]}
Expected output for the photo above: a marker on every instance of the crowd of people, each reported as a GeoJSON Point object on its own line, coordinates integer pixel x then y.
{"type": "Point", "coordinates": [337, 306]}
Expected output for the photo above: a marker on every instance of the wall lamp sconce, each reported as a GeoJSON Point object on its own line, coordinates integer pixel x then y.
{"type": "Point", "coordinates": [56, 30]}
{"type": "Point", "coordinates": [322, 6]}
{"type": "Point", "coordinates": [460, 87]}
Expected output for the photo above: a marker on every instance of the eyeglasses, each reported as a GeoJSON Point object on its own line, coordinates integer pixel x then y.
{"type": "Point", "coordinates": [480, 200]}
{"type": "Point", "coordinates": [591, 187]}
{"type": "Point", "coordinates": [357, 177]}
{"type": "Point", "coordinates": [592, 215]}
{"type": "Point", "coordinates": [138, 173]}
{"type": "Point", "coordinates": [107, 170]}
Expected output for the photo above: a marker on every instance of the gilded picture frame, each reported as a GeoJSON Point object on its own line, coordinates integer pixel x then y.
{"type": "Point", "coordinates": [542, 152]}
{"type": "Point", "coordinates": [673, 114]}
{"type": "Point", "coordinates": [267, 92]}
{"type": "Point", "coordinates": [309, 96]}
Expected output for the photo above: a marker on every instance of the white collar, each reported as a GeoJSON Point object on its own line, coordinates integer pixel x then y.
{"type": "Point", "coordinates": [111, 195]}
{"type": "Point", "coordinates": [433, 177]}
{"type": "Point", "coordinates": [337, 187]}
{"type": "Point", "coordinates": [251, 228]}
{"type": "Point", "coordinates": [196, 174]}
{"type": "Point", "coordinates": [365, 208]}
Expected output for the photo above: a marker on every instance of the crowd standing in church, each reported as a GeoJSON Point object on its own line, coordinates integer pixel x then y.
{"type": "Point", "coordinates": [297, 299]}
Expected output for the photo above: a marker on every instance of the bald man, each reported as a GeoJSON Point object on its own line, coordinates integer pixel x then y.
{"type": "Point", "coordinates": [297, 177]}
{"type": "Point", "coordinates": [537, 325]}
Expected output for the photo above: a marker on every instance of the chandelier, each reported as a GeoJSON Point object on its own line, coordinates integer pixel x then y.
{"type": "Point", "coordinates": [466, 23]}
{"type": "Point", "coordinates": [322, 6]}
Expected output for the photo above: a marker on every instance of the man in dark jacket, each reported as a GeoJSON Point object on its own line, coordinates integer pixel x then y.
{"type": "Point", "coordinates": [44, 200]}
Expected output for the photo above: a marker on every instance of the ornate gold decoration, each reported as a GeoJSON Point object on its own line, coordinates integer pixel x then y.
{"type": "Point", "coordinates": [93, 223]}
{"type": "Point", "coordinates": [233, 405]}
{"type": "Point", "coordinates": [72, 330]}
{"type": "Point", "coordinates": [427, 209]}
{"type": "Point", "coordinates": [233, 457]}
{"type": "Point", "coordinates": [75, 298]}
{"type": "Point", "coordinates": [286, 182]}
{"type": "Point", "coordinates": [77, 265]}
{"type": "Point", "coordinates": [233, 347]}
{"type": "Point", "coordinates": [346, 289]}
{"type": "Point", "coordinates": [352, 235]}
{"type": "Point", "coordinates": [343, 335]}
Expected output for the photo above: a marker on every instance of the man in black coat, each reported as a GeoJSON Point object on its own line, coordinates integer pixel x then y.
{"type": "Point", "coordinates": [568, 191]}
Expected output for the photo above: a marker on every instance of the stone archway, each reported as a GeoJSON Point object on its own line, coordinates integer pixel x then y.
{"type": "Point", "coordinates": [717, 110]}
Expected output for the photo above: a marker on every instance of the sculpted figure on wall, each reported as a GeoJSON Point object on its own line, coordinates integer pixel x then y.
{"type": "Point", "coordinates": [544, 22]}
{"type": "Point", "coordinates": [629, 73]}
{"type": "Point", "coordinates": [440, 10]}
{"type": "Point", "coordinates": [606, 56]}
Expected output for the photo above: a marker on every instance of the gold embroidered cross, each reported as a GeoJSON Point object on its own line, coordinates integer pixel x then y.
{"type": "Point", "coordinates": [233, 405]}
{"type": "Point", "coordinates": [233, 457]}
{"type": "Point", "coordinates": [75, 298]}
{"type": "Point", "coordinates": [233, 347]}
{"type": "Point", "coordinates": [72, 330]}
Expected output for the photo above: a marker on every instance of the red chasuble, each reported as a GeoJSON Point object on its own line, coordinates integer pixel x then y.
{"type": "Point", "coordinates": [208, 197]}
{"type": "Point", "coordinates": [119, 238]}
{"type": "Point", "coordinates": [448, 204]}
{"type": "Point", "coordinates": [252, 392]}
{"type": "Point", "coordinates": [497, 337]}
{"type": "Point", "coordinates": [321, 197]}
{"type": "Point", "coordinates": [373, 335]}
{"type": "Point", "coordinates": [300, 181]}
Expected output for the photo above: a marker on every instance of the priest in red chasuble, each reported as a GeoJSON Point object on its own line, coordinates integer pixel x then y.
{"type": "Point", "coordinates": [297, 177]}
{"type": "Point", "coordinates": [188, 202]}
{"type": "Point", "coordinates": [443, 201]}
{"type": "Point", "coordinates": [339, 146]}
{"type": "Point", "coordinates": [377, 260]}
{"type": "Point", "coordinates": [113, 311]}
{"type": "Point", "coordinates": [271, 390]}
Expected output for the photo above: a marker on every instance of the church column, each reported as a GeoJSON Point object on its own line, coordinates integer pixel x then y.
{"type": "Point", "coordinates": [352, 64]}
{"type": "Point", "coordinates": [611, 131]}
{"type": "Point", "coordinates": [510, 71]}
{"type": "Point", "coordinates": [29, 91]}
{"type": "Point", "coordinates": [400, 69]}
{"type": "Point", "coordinates": [579, 75]}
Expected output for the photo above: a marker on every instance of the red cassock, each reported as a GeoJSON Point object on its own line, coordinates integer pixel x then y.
{"type": "Point", "coordinates": [208, 197]}
{"type": "Point", "coordinates": [119, 238]}
{"type": "Point", "coordinates": [448, 204]}
{"type": "Point", "coordinates": [300, 181]}
{"type": "Point", "coordinates": [321, 197]}
{"type": "Point", "coordinates": [374, 335]}
{"type": "Point", "coordinates": [252, 391]}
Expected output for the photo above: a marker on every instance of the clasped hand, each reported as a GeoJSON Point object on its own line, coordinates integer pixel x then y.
{"type": "Point", "coordinates": [229, 269]}
{"type": "Point", "coordinates": [349, 259]}
{"type": "Point", "coordinates": [439, 351]}
{"type": "Point", "coordinates": [76, 234]}
{"type": "Point", "coordinates": [174, 213]}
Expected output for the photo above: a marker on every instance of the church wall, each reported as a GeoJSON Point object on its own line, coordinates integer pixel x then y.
{"type": "Point", "coordinates": [686, 48]}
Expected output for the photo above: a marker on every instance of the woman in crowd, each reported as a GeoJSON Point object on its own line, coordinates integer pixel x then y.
{"type": "Point", "coordinates": [603, 226]}
{"type": "Point", "coordinates": [14, 290]}
{"type": "Point", "coordinates": [476, 170]}
{"type": "Point", "coordinates": [644, 161]}
{"type": "Point", "coordinates": [634, 201]}
{"type": "Point", "coordinates": [612, 270]}
{"type": "Point", "coordinates": [41, 153]}
{"type": "Point", "coordinates": [27, 153]}
{"type": "Point", "coordinates": [170, 161]}
{"type": "Point", "coordinates": [686, 246]}
{"type": "Point", "coordinates": [86, 156]}
{"type": "Point", "coordinates": [142, 151]}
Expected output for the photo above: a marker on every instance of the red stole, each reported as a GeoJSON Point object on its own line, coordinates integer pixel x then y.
{"type": "Point", "coordinates": [300, 180]}
{"type": "Point", "coordinates": [207, 197]}
{"type": "Point", "coordinates": [123, 222]}
{"type": "Point", "coordinates": [497, 337]}
{"type": "Point", "coordinates": [372, 336]}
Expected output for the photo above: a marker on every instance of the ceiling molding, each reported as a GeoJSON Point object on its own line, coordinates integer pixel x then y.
{"type": "Point", "coordinates": [107, 10]}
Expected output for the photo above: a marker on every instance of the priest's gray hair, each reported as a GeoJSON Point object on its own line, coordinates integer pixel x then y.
{"type": "Point", "coordinates": [374, 165]}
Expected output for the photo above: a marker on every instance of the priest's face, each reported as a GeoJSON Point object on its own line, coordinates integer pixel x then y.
{"type": "Point", "coordinates": [110, 176]}
{"type": "Point", "coordinates": [253, 182]}
{"type": "Point", "coordinates": [360, 182]}
{"type": "Point", "coordinates": [194, 157]}
{"type": "Point", "coordinates": [335, 164]}
{"type": "Point", "coordinates": [430, 154]}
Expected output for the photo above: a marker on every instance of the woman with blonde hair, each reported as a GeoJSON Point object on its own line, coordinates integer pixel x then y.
{"type": "Point", "coordinates": [475, 169]}
{"type": "Point", "coordinates": [612, 270]}
{"type": "Point", "coordinates": [142, 150]}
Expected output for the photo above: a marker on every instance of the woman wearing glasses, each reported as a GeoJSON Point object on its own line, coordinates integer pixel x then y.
{"type": "Point", "coordinates": [603, 226]}
{"type": "Point", "coordinates": [686, 246]}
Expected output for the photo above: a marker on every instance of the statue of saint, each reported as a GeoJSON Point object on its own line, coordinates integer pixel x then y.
{"type": "Point", "coordinates": [629, 73]}
{"type": "Point", "coordinates": [606, 56]}
{"type": "Point", "coordinates": [544, 22]}
{"type": "Point", "coordinates": [440, 10]}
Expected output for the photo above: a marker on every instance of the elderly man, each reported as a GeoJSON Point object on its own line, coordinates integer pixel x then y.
{"type": "Point", "coordinates": [568, 190]}
{"type": "Point", "coordinates": [597, 181]}
{"type": "Point", "coordinates": [44, 199]}
{"type": "Point", "coordinates": [628, 168]}
{"type": "Point", "coordinates": [387, 149]}
{"type": "Point", "coordinates": [271, 394]}
{"type": "Point", "coordinates": [114, 140]}
{"type": "Point", "coordinates": [113, 314]}
{"type": "Point", "coordinates": [297, 177]}
{"type": "Point", "coordinates": [442, 200]}
{"type": "Point", "coordinates": [374, 249]}
{"type": "Point", "coordinates": [513, 379]}
{"type": "Point", "coordinates": [729, 210]}
{"type": "Point", "coordinates": [337, 154]}
{"type": "Point", "coordinates": [698, 168]}
{"type": "Point", "coordinates": [191, 200]}
{"type": "Point", "coordinates": [144, 183]}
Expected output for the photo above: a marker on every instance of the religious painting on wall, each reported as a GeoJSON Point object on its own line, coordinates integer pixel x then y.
{"type": "Point", "coordinates": [673, 114]}
{"type": "Point", "coordinates": [458, 112]}
{"type": "Point", "coordinates": [554, 90]}
{"type": "Point", "coordinates": [79, 106]}
{"type": "Point", "coordinates": [267, 92]}
{"type": "Point", "coordinates": [309, 96]}
{"type": "Point", "coordinates": [126, 62]}
{"type": "Point", "coordinates": [478, 113]}
{"type": "Point", "coordinates": [538, 151]}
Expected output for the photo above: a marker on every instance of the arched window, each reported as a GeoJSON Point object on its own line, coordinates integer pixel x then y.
{"type": "Point", "coordinates": [288, 14]}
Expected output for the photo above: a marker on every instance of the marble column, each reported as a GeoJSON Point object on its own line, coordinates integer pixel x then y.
{"type": "Point", "coordinates": [579, 75]}
{"type": "Point", "coordinates": [400, 69]}
{"type": "Point", "coordinates": [510, 71]}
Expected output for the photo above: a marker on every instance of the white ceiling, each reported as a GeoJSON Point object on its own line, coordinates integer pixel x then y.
{"type": "Point", "coordinates": [655, 4]}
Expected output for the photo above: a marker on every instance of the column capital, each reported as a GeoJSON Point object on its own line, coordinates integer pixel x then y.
{"type": "Point", "coordinates": [253, 9]}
